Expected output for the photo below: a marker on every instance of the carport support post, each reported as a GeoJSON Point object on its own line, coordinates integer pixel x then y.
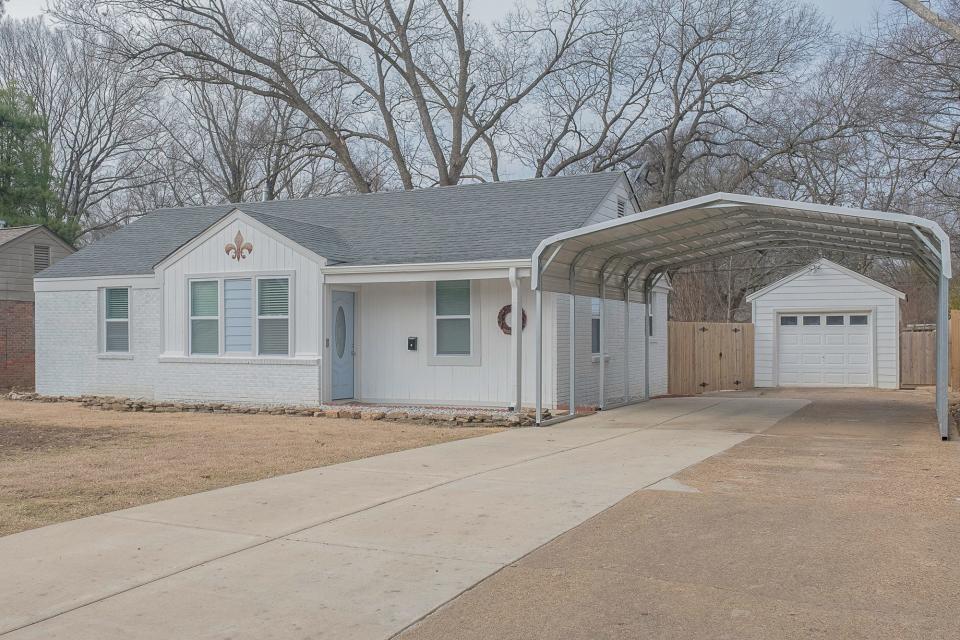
{"type": "Point", "coordinates": [626, 344]}
{"type": "Point", "coordinates": [603, 341]}
{"type": "Point", "coordinates": [538, 311]}
{"type": "Point", "coordinates": [943, 350]}
{"type": "Point", "coordinates": [573, 348]}
{"type": "Point", "coordinates": [646, 340]}
{"type": "Point", "coordinates": [516, 333]}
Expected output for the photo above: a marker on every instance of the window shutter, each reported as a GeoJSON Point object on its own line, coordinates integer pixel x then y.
{"type": "Point", "coordinates": [237, 316]}
{"type": "Point", "coordinates": [41, 257]}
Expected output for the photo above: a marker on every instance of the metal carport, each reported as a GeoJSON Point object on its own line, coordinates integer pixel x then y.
{"type": "Point", "coordinates": [609, 260]}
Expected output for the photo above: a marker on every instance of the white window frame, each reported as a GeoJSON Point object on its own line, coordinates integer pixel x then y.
{"type": "Point", "coordinates": [594, 317]}
{"type": "Point", "coordinates": [254, 277]}
{"type": "Point", "coordinates": [471, 360]}
{"type": "Point", "coordinates": [257, 317]}
{"type": "Point", "coordinates": [103, 323]}
{"type": "Point", "coordinates": [191, 317]}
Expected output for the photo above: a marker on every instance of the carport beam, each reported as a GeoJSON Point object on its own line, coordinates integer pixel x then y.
{"type": "Point", "coordinates": [943, 350]}
{"type": "Point", "coordinates": [538, 311]}
{"type": "Point", "coordinates": [603, 341]}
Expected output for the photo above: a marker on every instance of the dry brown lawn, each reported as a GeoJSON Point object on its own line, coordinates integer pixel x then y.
{"type": "Point", "coordinates": [62, 461]}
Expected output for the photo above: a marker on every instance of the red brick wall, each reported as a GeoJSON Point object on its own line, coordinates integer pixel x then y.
{"type": "Point", "coordinates": [16, 344]}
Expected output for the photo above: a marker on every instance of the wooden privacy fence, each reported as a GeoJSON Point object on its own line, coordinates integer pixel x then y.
{"type": "Point", "coordinates": [709, 356]}
{"type": "Point", "coordinates": [918, 357]}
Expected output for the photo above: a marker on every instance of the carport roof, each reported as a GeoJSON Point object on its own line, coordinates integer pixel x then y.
{"type": "Point", "coordinates": [629, 250]}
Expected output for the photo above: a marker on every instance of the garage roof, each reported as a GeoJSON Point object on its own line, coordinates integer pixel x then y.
{"type": "Point", "coordinates": [630, 249]}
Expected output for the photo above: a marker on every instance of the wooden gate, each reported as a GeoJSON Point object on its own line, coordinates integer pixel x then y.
{"type": "Point", "coordinates": [918, 357]}
{"type": "Point", "coordinates": [709, 356]}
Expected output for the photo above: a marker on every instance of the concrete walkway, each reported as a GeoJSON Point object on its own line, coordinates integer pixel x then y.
{"type": "Point", "coordinates": [357, 550]}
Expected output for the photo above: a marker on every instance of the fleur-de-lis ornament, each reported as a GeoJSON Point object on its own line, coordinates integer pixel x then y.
{"type": "Point", "coordinates": [239, 249]}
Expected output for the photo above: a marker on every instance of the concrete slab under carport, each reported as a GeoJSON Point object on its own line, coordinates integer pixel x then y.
{"type": "Point", "coordinates": [836, 522]}
{"type": "Point", "coordinates": [358, 550]}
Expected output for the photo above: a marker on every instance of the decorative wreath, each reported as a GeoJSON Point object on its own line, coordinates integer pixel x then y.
{"type": "Point", "coordinates": [502, 319]}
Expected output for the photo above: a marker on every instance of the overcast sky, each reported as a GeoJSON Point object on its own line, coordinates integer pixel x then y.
{"type": "Point", "coordinates": [846, 14]}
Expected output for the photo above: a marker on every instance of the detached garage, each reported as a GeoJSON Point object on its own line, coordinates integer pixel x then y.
{"type": "Point", "coordinates": [827, 326]}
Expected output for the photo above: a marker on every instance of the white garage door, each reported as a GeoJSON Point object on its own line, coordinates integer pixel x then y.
{"type": "Point", "coordinates": [824, 349]}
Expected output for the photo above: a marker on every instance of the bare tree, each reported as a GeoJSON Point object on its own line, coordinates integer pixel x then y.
{"type": "Point", "coordinates": [941, 22]}
{"type": "Point", "coordinates": [94, 113]}
{"type": "Point", "coordinates": [416, 79]}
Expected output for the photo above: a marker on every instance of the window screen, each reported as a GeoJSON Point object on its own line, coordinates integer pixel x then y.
{"type": "Point", "coordinates": [811, 321]}
{"type": "Point", "coordinates": [788, 321]}
{"type": "Point", "coordinates": [834, 320]}
{"type": "Point", "coordinates": [858, 320]}
{"type": "Point", "coordinates": [116, 320]}
{"type": "Point", "coordinates": [273, 309]}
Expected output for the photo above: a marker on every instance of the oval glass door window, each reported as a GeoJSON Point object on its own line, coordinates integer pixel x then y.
{"type": "Point", "coordinates": [340, 331]}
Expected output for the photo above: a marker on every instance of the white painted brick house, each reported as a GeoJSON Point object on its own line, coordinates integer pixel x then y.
{"type": "Point", "coordinates": [387, 298]}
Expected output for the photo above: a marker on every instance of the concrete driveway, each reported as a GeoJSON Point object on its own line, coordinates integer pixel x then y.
{"type": "Point", "coordinates": [840, 521]}
{"type": "Point", "coordinates": [357, 550]}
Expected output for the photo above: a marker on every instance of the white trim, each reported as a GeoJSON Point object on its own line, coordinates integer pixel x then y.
{"type": "Point", "coordinates": [150, 281]}
{"type": "Point", "coordinates": [827, 263]}
{"type": "Point", "coordinates": [478, 270]}
{"type": "Point", "coordinates": [433, 358]}
{"type": "Point", "coordinates": [204, 359]}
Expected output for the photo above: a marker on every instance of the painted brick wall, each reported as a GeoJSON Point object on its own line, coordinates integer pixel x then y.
{"type": "Point", "coordinates": [16, 344]}
{"type": "Point", "coordinates": [588, 365]}
{"type": "Point", "coordinates": [69, 362]}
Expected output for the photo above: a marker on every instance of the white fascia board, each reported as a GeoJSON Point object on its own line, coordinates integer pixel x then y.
{"type": "Point", "coordinates": [424, 272]}
{"type": "Point", "coordinates": [721, 200]}
{"type": "Point", "coordinates": [229, 218]}
{"type": "Point", "coordinates": [826, 263]}
{"type": "Point", "coordinates": [81, 283]}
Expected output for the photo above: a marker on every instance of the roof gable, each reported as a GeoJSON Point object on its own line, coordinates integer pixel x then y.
{"type": "Point", "coordinates": [823, 262]}
{"type": "Point", "coordinates": [464, 223]}
{"type": "Point", "coordinates": [11, 234]}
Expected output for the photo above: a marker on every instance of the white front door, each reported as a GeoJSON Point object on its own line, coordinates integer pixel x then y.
{"type": "Point", "coordinates": [820, 349]}
{"type": "Point", "coordinates": [341, 345]}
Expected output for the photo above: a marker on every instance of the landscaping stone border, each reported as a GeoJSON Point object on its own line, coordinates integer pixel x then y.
{"type": "Point", "coordinates": [433, 416]}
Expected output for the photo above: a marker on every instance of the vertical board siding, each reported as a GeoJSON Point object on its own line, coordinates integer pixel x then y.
{"type": "Point", "coordinates": [710, 356]}
{"type": "Point", "coordinates": [918, 358]}
{"type": "Point", "coordinates": [828, 289]}
{"type": "Point", "coordinates": [390, 313]}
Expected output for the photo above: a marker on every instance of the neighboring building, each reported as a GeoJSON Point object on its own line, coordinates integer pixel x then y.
{"type": "Point", "coordinates": [24, 251]}
{"type": "Point", "coordinates": [827, 326]}
{"type": "Point", "coordinates": [387, 297]}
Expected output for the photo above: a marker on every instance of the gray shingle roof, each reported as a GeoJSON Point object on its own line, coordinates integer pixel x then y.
{"type": "Point", "coordinates": [491, 221]}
